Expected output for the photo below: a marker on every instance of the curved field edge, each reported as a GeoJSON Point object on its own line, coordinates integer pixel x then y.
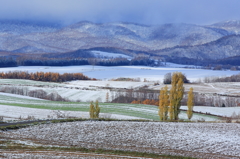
{"type": "Point", "coordinates": [133, 110]}
{"type": "Point", "coordinates": [9, 147]}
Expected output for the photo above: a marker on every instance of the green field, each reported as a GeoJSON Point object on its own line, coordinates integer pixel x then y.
{"type": "Point", "coordinates": [134, 110]}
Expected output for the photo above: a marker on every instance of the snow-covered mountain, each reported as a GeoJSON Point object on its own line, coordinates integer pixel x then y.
{"type": "Point", "coordinates": [214, 42]}
{"type": "Point", "coordinates": [232, 26]}
{"type": "Point", "coordinates": [225, 47]}
{"type": "Point", "coordinates": [27, 37]}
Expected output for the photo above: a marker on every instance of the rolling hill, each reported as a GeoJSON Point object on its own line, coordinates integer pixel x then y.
{"type": "Point", "coordinates": [172, 41]}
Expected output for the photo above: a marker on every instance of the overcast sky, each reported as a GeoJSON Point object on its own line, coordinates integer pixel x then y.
{"type": "Point", "coordinates": [138, 11]}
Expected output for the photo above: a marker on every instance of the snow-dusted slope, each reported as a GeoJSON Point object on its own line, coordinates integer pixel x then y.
{"type": "Point", "coordinates": [28, 37]}
{"type": "Point", "coordinates": [232, 26]}
{"type": "Point", "coordinates": [228, 46]}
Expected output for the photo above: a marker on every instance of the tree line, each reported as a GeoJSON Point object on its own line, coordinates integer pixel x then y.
{"type": "Point", "coordinates": [44, 61]}
{"type": "Point", "coordinates": [233, 78]}
{"type": "Point", "coordinates": [7, 62]}
{"type": "Point", "coordinates": [38, 93]}
{"type": "Point", "coordinates": [44, 76]}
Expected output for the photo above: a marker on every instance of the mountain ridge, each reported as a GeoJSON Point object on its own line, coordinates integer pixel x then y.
{"type": "Point", "coordinates": [172, 39]}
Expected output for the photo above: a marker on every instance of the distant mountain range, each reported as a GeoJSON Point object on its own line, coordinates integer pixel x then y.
{"type": "Point", "coordinates": [213, 42]}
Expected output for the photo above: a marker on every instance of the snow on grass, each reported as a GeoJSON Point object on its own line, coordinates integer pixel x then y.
{"type": "Point", "coordinates": [142, 72]}
{"type": "Point", "coordinates": [201, 140]}
{"type": "Point", "coordinates": [18, 96]}
{"type": "Point", "coordinates": [20, 113]}
{"type": "Point", "coordinates": [100, 54]}
{"type": "Point", "coordinates": [75, 90]}
{"type": "Point", "coordinates": [130, 110]}
{"type": "Point", "coordinates": [174, 65]}
{"type": "Point", "coordinates": [110, 84]}
{"type": "Point", "coordinates": [221, 111]}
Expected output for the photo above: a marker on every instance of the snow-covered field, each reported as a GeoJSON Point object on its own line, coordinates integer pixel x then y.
{"type": "Point", "coordinates": [200, 140]}
{"type": "Point", "coordinates": [221, 111]}
{"type": "Point", "coordinates": [22, 107]}
{"type": "Point", "coordinates": [142, 72]}
{"type": "Point", "coordinates": [61, 155]}
{"type": "Point", "coordinates": [14, 113]}
{"type": "Point", "coordinates": [102, 54]}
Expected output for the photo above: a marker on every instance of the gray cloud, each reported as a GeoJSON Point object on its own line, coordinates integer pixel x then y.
{"type": "Point", "coordinates": [139, 11]}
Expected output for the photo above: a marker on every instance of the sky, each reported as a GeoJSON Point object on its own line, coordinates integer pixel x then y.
{"type": "Point", "coordinates": [150, 12]}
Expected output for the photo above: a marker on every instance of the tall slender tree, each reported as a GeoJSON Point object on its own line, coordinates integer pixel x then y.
{"type": "Point", "coordinates": [163, 104]}
{"type": "Point", "coordinates": [166, 103]}
{"type": "Point", "coordinates": [190, 103]}
{"type": "Point", "coordinates": [97, 109]}
{"type": "Point", "coordinates": [92, 110]}
{"type": "Point", "coordinates": [176, 95]}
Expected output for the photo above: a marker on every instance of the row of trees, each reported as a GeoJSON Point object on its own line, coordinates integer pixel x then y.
{"type": "Point", "coordinates": [233, 78]}
{"type": "Point", "coordinates": [44, 76]}
{"type": "Point", "coordinates": [170, 101]}
{"type": "Point", "coordinates": [38, 93]}
{"type": "Point", "coordinates": [7, 62]}
{"type": "Point", "coordinates": [44, 61]}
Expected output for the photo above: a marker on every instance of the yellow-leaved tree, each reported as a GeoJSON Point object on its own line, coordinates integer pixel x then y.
{"type": "Point", "coordinates": [97, 109]}
{"type": "Point", "coordinates": [170, 101]}
{"type": "Point", "coordinates": [190, 103]}
{"type": "Point", "coordinates": [94, 110]}
{"type": "Point", "coordinates": [176, 95]}
{"type": "Point", "coordinates": [166, 103]}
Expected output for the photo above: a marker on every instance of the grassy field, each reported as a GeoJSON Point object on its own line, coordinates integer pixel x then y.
{"type": "Point", "coordinates": [134, 110]}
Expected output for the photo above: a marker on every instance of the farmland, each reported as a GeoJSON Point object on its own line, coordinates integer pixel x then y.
{"type": "Point", "coordinates": [207, 136]}
{"type": "Point", "coordinates": [201, 140]}
{"type": "Point", "coordinates": [14, 107]}
{"type": "Point", "coordinates": [141, 72]}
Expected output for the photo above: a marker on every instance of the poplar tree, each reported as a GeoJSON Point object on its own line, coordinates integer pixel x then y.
{"type": "Point", "coordinates": [97, 109]}
{"type": "Point", "coordinates": [166, 103]}
{"type": "Point", "coordinates": [190, 103]}
{"type": "Point", "coordinates": [163, 104]}
{"type": "Point", "coordinates": [176, 95]}
{"type": "Point", "coordinates": [92, 110]}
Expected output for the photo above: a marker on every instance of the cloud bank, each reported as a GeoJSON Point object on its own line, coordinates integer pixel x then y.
{"type": "Point", "coordinates": [137, 11]}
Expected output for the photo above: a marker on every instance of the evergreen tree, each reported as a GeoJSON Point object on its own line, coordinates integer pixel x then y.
{"type": "Point", "coordinates": [190, 103]}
